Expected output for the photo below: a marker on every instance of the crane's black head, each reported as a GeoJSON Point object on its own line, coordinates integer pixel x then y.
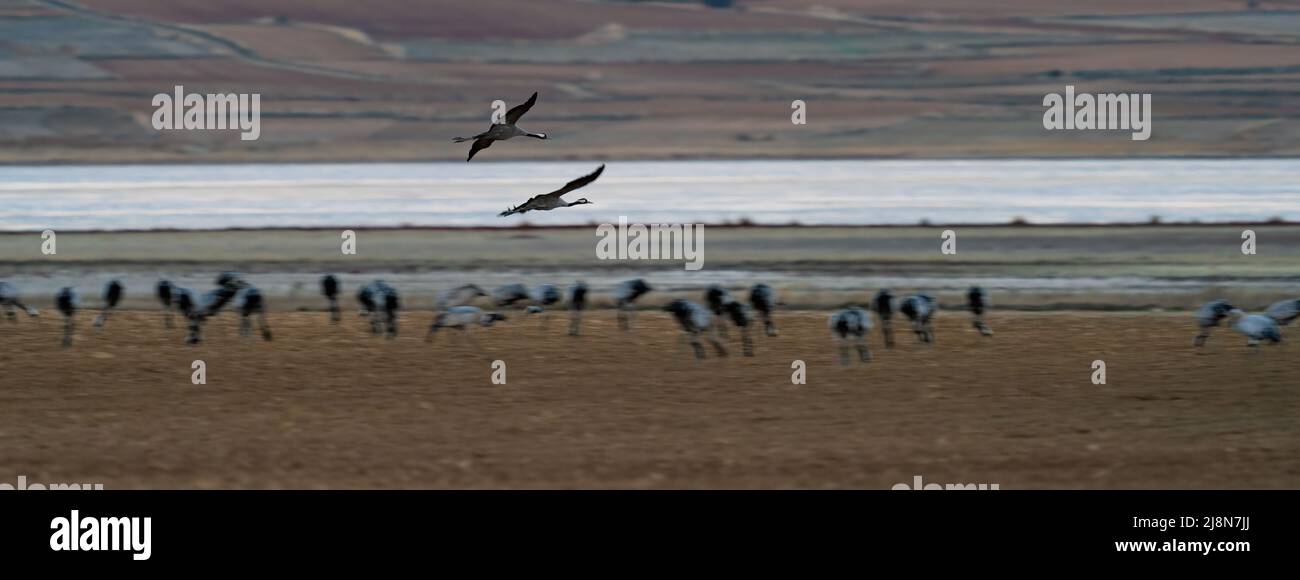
{"type": "Point", "coordinates": [678, 307]}
{"type": "Point", "coordinates": [580, 202]}
{"type": "Point", "coordinates": [1223, 308]}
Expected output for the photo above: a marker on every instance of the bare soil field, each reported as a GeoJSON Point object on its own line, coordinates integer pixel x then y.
{"type": "Point", "coordinates": [332, 407]}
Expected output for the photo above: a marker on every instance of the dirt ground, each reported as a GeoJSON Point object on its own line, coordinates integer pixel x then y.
{"type": "Point", "coordinates": [332, 407]}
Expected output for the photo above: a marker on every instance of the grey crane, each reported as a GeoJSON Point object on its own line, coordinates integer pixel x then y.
{"type": "Point", "coordinates": [1208, 316]}
{"type": "Point", "coordinates": [763, 298]}
{"type": "Point", "coordinates": [577, 304]}
{"type": "Point", "coordinates": [330, 287]}
{"type": "Point", "coordinates": [1284, 312]}
{"type": "Point", "coordinates": [883, 305]}
{"type": "Point", "coordinates": [508, 129]}
{"type": "Point", "coordinates": [461, 295]}
{"type": "Point", "coordinates": [695, 320]}
{"type": "Point", "coordinates": [919, 309]}
{"type": "Point", "coordinates": [625, 296]}
{"type": "Point", "coordinates": [112, 297]}
{"type": "Point", "coordinates": [555, 199]}
{"type": "Point", "coordinates": [251, 303]}
{"type": "Point", "coordinates": [977, 301]}
{"type": "Point", "coordinates": [164, 293]}
{"type": "Point", "coordinates": [461, 318]}
{"type": "Point", "coordinates": [716, 298]}
{"type": "Point", "coordinates": [1256, 328]}
{"type": "Point", "coordinates": [381, 302]}
{"type": "Point", "coordinates": [851, 326]}
{"type": "Point", "coordinates": [10, 302]}
{"type": "Point", "coordinates": [67, 301]}
{"type": "Point", "coordinates": [739, 315]}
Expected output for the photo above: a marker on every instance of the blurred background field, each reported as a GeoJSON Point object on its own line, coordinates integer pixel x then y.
{"type": "Point", "coordinates": [396, 79]}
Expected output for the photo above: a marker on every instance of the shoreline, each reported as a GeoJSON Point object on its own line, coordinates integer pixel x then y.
{"type": "Point", "coordinates": [524, 226]}
{"type": "Point", "coordinates": [262, 160]}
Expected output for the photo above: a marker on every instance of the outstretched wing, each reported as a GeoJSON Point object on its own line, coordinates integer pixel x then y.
{"type": "Point", "coordinates": [578, 183]}
{"type": "Point", "coordinates": [479, 145]}
{"type": "Point", "coordinates": [570, 186]}
{"type": "Point", "coordinates": [513, 115]}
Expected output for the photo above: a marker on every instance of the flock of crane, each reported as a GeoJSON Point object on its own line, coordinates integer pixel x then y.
{"type": "Point", "coordinates": [709, 321]}
{"type": "Point", "coordinates": [455, 309]}
{"type": "Point", "coordinates": [1257, 328]}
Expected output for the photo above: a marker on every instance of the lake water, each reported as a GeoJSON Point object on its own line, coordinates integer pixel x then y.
{"type": "Point", "coordinates": [763, 191]}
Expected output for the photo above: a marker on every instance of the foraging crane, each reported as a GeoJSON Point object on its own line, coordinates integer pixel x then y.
{"type": "Point", "coordinates": [329, 286]}
{"type": "Point", "coordinates": [382, 303]}
{"type": "Point", "coordinates": [695, 320]}
{"type": "Point", "coordinates": [739, 316]}
{"type": "Point", "coordinates": [184, 300]}
{"type": "Point", "coordinates": [977, 301]}
{"type": "Point", "coordinates": [366, 296]}
{"type": "Point", "coordinates": [190, 309]}
{"type": "Point", "coordinates": [1256, 327]}
{"type": "Point", "coordinates": [716, 298]}
{"type": "Point", "coordinates": [555, 199]}
{"type": "Point", "coordinates": [851, 325]}
{"type": "Point", "coordinates": [763, 298]}
{"type": "Point", "coordinates": [460, 318]}
{"type": "Point", "coordinates": [546, 295]}
{"type": "Point", "coordinates": [1208, 316]}
{"type": "Point", "coordinates": [919, 309]}
{"type": "Point", "coordinates": [625, 296]}
{"type": "Point", "coordinates": [510, 294]}
{"type": "Point", "coordinates": [459, 296]}
{"type": "Point", "coordinates": [1284, 312]}
{"type": "Point", "coordinates": [67, 302]}
{"type": "Point", "coordinates": [112, 296]}
{"type": "Point", "coordinates": [543, 297]}
{"type": "Point", "coordinates": [228, 285]}
{"type": "Point", "coordinates": [502, 131]}
{"type": "Point", "coordinates": [251, 303]}
{"type": "Point", "coordinates": [883, 305]}
{"type": "Point", "coordinates": [212, 302]}
{"type": "Point", "coordinates": [164, 293]}
{"type": "Point", "coordinates": [577, 304]}
{"type": "Point", "coordinates": [9, 302]}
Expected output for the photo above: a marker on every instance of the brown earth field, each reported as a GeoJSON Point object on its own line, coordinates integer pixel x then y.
{"type": "Point", "coordinates": [332, 407]}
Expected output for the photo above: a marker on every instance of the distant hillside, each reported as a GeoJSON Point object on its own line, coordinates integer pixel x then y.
{"type": "Point", "coordinates": [396, 79]}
